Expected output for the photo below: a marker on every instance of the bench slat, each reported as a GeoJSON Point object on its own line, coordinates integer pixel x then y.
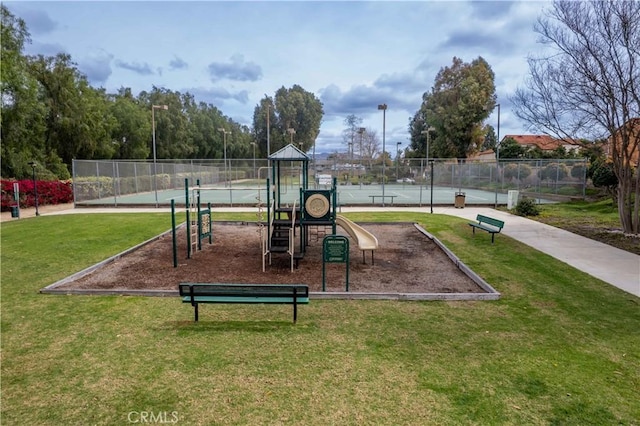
{"type": "Point", "coordinates": [196, 293]}
{"type": "Point", "coordinates": [245, 299]}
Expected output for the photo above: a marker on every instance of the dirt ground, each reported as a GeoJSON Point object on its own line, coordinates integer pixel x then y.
{"type": "Point", "coordinates": [406, 262]}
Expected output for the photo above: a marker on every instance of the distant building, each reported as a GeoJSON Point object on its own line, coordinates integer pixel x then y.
{"type": "Point", "coordinates": [633, 149]}
{"type": "Point", "coordinates": [486, 155]}
{"type": "Point", "coordinates": [544, 142]}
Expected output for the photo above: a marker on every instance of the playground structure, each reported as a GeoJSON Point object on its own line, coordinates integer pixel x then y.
{"type": "Point", "coordinates": [288, 224]}
{"type": "Point", "coordinates": [199, 221]}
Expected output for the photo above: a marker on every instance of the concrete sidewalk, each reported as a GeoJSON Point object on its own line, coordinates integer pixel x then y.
{"type": "Point", "coordinates": [614, 266]}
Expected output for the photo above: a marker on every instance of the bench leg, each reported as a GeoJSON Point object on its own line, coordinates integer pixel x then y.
{"type": "Point", "coordinates": [493, 234]}
{"type": "Point", "coordinates": [295, 311]}
{"type": "Point", "coordinates": [195, 311]}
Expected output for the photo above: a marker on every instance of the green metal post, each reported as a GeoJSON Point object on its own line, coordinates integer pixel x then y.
{"type": "Point", "coordinates": [334, 192]}
{"type": "Point", "coordinates": [210, 224]}
{"type": "Point", "coordinates": [186, 200]}
{"type": "Point", "coordinates": [173, 233]}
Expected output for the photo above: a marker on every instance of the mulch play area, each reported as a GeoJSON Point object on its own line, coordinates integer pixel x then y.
{"type": "Point", "coordinates": [407, 262]}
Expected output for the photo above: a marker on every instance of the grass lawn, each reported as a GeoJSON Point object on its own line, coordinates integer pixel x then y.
{"type": "Point", "coordinates": [560, 347]}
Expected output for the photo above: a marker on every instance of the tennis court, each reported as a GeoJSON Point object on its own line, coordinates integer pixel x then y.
{"type": "Point", "coordinates": [348, 195]}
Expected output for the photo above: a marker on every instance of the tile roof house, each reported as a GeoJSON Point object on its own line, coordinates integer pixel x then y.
{"type": "Point", "coordinates": [543, 142]}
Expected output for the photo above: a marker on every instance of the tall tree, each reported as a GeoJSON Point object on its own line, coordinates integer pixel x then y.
{"type": "Point", "coordinates": [22, 124]}
{"type": "Point", "coordinates": [490, 138]}
{"type": "Point", "coordinates": [463, 96]}
{"type": "Point", "coordinates": [294, 109]}
{"type": "Point", "coordinates": [589, 85]}
{"type": "Point", "coordinates": [132, 128]}
{"type": "Point", "coordinates": [77, 115]}
{"type": "Point", "coordinates": [511, 149]}
{"type": "Point", "coordinates": [350, 135]}
{"type": "Point", "coordinates": [264, 115]}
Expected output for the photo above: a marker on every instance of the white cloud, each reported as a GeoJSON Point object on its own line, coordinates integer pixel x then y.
{"type": "Point", "coordinates": [352, 55]}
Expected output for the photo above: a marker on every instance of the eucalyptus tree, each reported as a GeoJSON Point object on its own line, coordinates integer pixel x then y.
{"type": "Point", "coordinates": [77, 118]}
{"type": "Point", "coordinates": [294, 114]}
{"type": "Point", "coordinates": [132, 127]}
{"type": "Point", "coordinates": [463, 96]}
{"type": "Point", "coordinates": [172, 127]}
{"type": "Point", "coordinates": [351, 134]}
{"type": "Point", "coordinates": [22, 124]}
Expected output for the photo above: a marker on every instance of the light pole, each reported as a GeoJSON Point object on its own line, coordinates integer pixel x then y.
{"type": "Point", "coordinates": [224, 139]}
{"type": "Point", "coordinates": [498, 136]}
{"type": "Point", "coordinates": [33, 165]}
{"type": "Point", "coordinates": [398, 160]}
{"type": "Point", "coordinates": [292, 132]}
{"type": "Point", "coordinates": [153, 131]}
{"type": "Point", "coordinates": [383, 107]}
{"type": "Point", "coordinates": [350, 154]}
{"type": "Point", "coordinates": [254, 159]}
{"type": "Point", "coordinates": [268, 132]}
{"type": "Point", "coordinates": [497, 157]}
{"type": "Point", "coordinates": [361, 131]}
{"type": "Point", "coordinates": [428, 133]}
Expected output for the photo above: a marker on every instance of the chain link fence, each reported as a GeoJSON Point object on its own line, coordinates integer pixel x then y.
{"type": "Point", "coordinates": [118, 182]}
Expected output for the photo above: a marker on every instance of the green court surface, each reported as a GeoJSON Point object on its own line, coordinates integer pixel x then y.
{"type": "Point", "coordinates": [239, 195]}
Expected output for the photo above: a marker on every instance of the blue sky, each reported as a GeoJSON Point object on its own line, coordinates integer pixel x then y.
{"type": "Point", "coordinates": [351, 55]}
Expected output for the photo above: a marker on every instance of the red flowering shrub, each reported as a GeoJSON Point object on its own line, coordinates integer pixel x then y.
{"type": "Point", "coordinates": [49, 192]}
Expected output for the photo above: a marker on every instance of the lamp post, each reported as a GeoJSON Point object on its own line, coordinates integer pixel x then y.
{"type": "Point", "coordinates": [268, 132]}
{"type": "Point", "coordinates": [497, 157]}
{"type": "Point", "coordinates": [350, 154]}
{"type": "Point", "coordinates": [254, 159]}
{"type": "Point", "coordinates": [33, 165]}
{"type": "Point", "coordinates": [398, 160]}
{"type": "Point", "coordinates": [292, 132]}
{"type": "Point", "coordinates": [224, 139]}
{"type": "Point", "coordinates": [153, 131]}
{"type": "Point", "coordinates": [428, 133]}
{"type": "Point", "coordinates": [383, 107]}
{"type": "Point", "coordinates": [361, 131]}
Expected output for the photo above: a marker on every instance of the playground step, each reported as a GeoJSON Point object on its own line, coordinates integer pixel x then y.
{"type": "Point", "coordinates": [282, 223]}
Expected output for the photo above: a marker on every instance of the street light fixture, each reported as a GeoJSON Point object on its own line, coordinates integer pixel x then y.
{"type": "Point", "coordinates": [383, 107]}
{"type": "Point", "coordinates": [398, 160]}
{"type": "Point", "coordinates": [254, 159]}
{"type": "Point", "coordinates": [497, 157]}
{"type": "Point", "coordinates": [33, 165]}
{"type": "Point", "coordinates": [153, 131]}
{"type": "Point", "coordinates": [361, 131]}
{"type": "Point", "coordinates": [428, 133]}
{"type": "Point", "coordinates": [224, 138]}
{"type": "Point", "coordinates": [350, 154]}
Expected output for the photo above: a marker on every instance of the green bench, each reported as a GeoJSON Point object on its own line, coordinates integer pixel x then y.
{"type": "Point", "coordinates": [292, 294]}
{"type": "Point", "coordinates": [489, 224]}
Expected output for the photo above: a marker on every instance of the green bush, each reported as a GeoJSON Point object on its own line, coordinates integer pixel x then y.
{"type": "Point", "coordinates": [527, 207]}
{"type": "Point", "coordinates": [516, 171]}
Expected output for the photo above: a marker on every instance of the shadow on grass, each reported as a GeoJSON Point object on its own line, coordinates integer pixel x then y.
{"type": "Point", "coordinates": [224, 325]}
